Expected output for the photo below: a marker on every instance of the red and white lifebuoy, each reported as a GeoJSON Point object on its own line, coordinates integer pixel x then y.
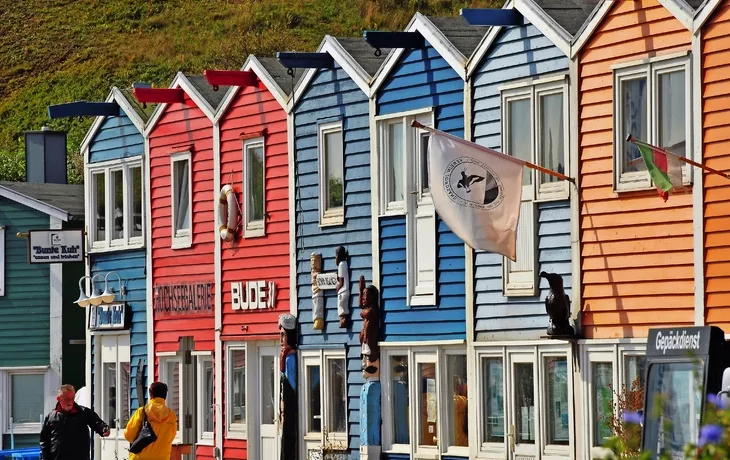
{"type": "Point", "coordinates": [227, 213]}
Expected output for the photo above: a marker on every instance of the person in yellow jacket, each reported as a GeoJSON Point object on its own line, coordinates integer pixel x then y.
{"type": "Point", "coordinates": [163, 421]}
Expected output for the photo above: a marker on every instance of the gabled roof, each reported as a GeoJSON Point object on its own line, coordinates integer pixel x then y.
{"type": "Point", "coordinates": [274, 77]}
{"type": "Point", "coordinates": [688, 12]}
{"type": "Point", "coordinates": [213, 98]}
{"type": "Point", "coordinates": [64, 201]}
{"type": "Point", "coordinates": [358, 66]}
{"type": "Point", "coordinates": [452, 38]}
{"type": "Point", "coordinates": [558, 20]}
{"type": "Point", "coordinates": [129, 105]}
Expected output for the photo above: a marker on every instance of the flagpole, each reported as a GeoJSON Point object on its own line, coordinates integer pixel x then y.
{"type": "Point", "coordinates": [550, 172]}
{"type": "Point", "coordinates": [631, 138]}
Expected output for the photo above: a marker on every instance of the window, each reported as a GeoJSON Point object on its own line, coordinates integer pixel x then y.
{"type": "Point", "coordinates": [236, 391]}
{"type": "Point", "coordinates": [534, 129]}
{"type": "Point", "coordinates": [27, 396]}
{"type": "Point", "coordinates": [602, 380]}
{"type": "Point", "coordinates": [524, 403]}
{"type": "Point", "coordinates": [170, 370]}
{"type": "Point", "coordinates": [325, 398]}
{"type": "Point", "coordinates": [115, 392]}
{"type": "Point", "coordinates": [651, 102]}
{"type": "Point", "coordinates": [492, 400]}
{"type": "Point", "coordinates": [206, 408]}
{"type": "Point", "coordinates": [331, 174]}
{"type": "Point", "coordinates": [182, 200]}
{"type": "Point", "coordinates": [436, 421]}
{"type": "Point", "coordinates": [115, 205]}
{"type": "Point", "coordinates": [635, 373]}
{"type": "Point", "coordinates": [255, 193]}
{"type": "Point", "coordinates": [558, 410]}
{"type": "Point", "coordinates": [2, 261]}
{"type": "Point", "coordinates": [405, 190]}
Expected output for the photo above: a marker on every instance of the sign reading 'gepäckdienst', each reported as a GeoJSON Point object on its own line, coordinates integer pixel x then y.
{"type": "Point", "coordinates": [55, 246]}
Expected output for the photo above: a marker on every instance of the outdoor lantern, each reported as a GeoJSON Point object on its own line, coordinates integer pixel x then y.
{"type": "Point", "coordinates": [96, 294]}
{"type": "Point", "coordinates": [108, 295]}
{"type": "Point", "coordinates": [83, 300]}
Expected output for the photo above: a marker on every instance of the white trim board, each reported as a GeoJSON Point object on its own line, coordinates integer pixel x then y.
{"type": "Point", "coordinates": [421, 24]}
{"type": "Point", "coordinates": [56, 317]}
{"type": "Point", "coordinates": [703, 14]}
{"type": "Point", "coordinates": [115, 95]}
{"type": "Point", "coordinates": [253, 64]}
{"type": "Point", "coordinates": [331, 46]}
{"type": "Point", "coordinates": [181, 81]}
{"type": "Point", "coordinates": [217, 301]}
{"type": "Point", "coordinates": [32, 203]}
{"type": "Point", "coordinates": [698, 192]}
{"type": "Point", "coordinates": [678, 8]}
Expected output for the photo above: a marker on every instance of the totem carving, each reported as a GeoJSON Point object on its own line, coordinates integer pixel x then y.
{"type": "Point", "coordinates": [370, 333]}
{"type": "Point", "coordinates": [315, 264]}
{"type": "Point", "coordinates": [557, 306]}
{"type": "Point", "coordinates": [288, 412]}
{"type": "Point", "coordinates": [343, 287]}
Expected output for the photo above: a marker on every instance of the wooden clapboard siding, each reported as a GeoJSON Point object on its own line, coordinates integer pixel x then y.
{"type": "Point", "coordinates": [636, 251]}
{"type": "Point", "coordinates": [182, 127]}
{"type": "Point", "coordinates": [116, 138]}
{"type": "Point", "coordinates": [333, 95]}
{"type": "Point", "coordinates": [423, 79]}
{"type": "Point", "coordinates": [517, 54]}
{"type": "Point", "coordinates": [262, 258]}
{"type": "Point", "coordinates": [130, 265]}
{"type": "Point", "coordinates": [716, 154]}
{"type": "Point", "coordinates": [25, 307]}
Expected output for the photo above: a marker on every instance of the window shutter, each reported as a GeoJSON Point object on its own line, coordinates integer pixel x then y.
{"type": "Point", "coordinates": [519, 276]}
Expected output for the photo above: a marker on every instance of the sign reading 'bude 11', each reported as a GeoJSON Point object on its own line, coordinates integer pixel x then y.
{"type": "Point", "coordinates": [253, 295]}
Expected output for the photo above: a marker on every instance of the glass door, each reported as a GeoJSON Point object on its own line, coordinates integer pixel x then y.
{"type": "Point", "coordinates": [268, 413]}
{"type": "Point", "coordinates": [113, 377]}
{"type": "Point", "coordinates": [427, 394]}
{"type": "Point", "coordinates": [522, 407]}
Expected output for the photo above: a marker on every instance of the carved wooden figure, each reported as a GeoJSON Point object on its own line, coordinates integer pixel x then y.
{"type": "Point", "coordinates": [557, 306]}
{"type": "Point", "coordinates": [288, 402]}
{"type": "Point", "coordinates": [315, 263]}
{"type": "Point", "coordinates": [343, 287]}
{"type": "Point", "coordinates": [370, 333]}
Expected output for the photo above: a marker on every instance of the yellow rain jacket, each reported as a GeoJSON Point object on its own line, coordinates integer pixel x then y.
{"type": "Point", "coordinates": [164, 424]}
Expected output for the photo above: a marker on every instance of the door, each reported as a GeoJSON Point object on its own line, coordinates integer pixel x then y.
{"type": "Point", "coordinates": [113, 401]}
{"type": "Point", "coordinates": [522, 407]}
{"type": "Point", "coordinates": [268, 407]}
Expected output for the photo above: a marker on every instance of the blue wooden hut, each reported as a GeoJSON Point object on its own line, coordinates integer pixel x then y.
{"type": "Point", "coordinates": [522, 102]}
{"type": "Point", "coordinates": [330, 137]}
{"type": "Point", "coordinates": [115, 182]}
{"type": "Point", "coordinates": [420, 264]}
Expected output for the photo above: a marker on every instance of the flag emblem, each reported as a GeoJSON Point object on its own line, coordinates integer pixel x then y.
{"type": "Point", "coordinates": [469, 182]}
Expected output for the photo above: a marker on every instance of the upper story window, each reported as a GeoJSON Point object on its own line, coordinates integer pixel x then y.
{"type": "Point", "coordinates": [405, 190]}
{"type": "Point", "coordinates": [255, 188]}
{"type": "Point", "coordinates": [534, 129]}
{"type": "Point", "coordinates": [115, 205]}
{"type": "Point", "coordinates": [331, 174]}
{"type": "Point", "coordinates": [652, 103]}
{"type": "Point", "coordinates": [182, 200]}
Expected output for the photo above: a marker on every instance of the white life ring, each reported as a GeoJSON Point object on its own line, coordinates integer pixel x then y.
{"type": "Point", "coordinates": [227, 213]}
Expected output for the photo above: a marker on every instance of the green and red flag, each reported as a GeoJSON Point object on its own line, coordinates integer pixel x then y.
{"type": "Point", "coordinates": [664, 168]}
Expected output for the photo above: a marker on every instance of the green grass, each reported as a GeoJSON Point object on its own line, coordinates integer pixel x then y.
{"type": "Point", "coordinates": [55, 51]}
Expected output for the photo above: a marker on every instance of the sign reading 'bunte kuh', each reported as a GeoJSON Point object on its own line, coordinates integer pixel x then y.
{"type": "Point", "coordinates": [107, 317]}
{"type": "Point", "coordinates": [253, 295]}
{"type": "Point", "coordinates": [55, 246]}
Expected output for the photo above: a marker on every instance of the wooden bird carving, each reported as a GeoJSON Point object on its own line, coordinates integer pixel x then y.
{"type": "Point", "coordinates": [557, 306]}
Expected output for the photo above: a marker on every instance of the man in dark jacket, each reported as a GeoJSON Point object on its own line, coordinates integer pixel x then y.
{"type": "Point", "coordinates": [65, 432]}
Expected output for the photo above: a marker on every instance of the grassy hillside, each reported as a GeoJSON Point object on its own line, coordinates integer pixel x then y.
{"type": "Point", "coordinates": [55, 51]}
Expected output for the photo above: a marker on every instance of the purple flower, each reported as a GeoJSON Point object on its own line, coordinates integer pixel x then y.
{"type": "Point", "coordinates": [710, 434]}
{"type": "Point", "coordinates": [716, 400]}
{"type": "Point", "coordinates": [632, 417]}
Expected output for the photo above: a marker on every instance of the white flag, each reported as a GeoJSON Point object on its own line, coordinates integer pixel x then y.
{"type": "Point", "coordinates": [477, 192]}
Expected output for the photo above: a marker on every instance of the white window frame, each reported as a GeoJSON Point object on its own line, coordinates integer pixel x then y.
{"type": "Point", "coordinates": [235, 430]}
{"type": "Point", "coordinates": [204, 437]}
{"type": "Point", "coordinates": [253, 228]}
{"type": "Point", "coordinates": [336, 216]}
{"type": "Point", "coordinates": [106, 169]}
{"type": "Point", "coordinates": [417, 205]}
{"type": "Point", "coordinates": [650, 70]}
{"type": "Point", "coordinates": [162, 360]}
{"type": "Point", "coordinates": [181, 238]}
{"type": "Point", "coordinates": [6, 388]}
{"type": "Point", "coordinates": [2, 261]}
{"type": "Point", "coordinates": [314, 439]}
{"type": "Point", "coordinates": [554, 451]}
{"type": "Point", "coordinates": [615, 352]}
{"type": "Point", "coordinates": [496, 450]}
{"type": "Point", "coordinates": [417, 355]}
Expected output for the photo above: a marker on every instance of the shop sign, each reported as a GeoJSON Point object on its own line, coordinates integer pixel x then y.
{"type": "Point", "coordinates": [681, 341]}
{"type": "Point", "coordinates": [183, 298]}
{"type": "Point", "coordinates": [108, 317]}
{"type": "Point", "coordinates": [55, 246]}
{"type": "Point", "coordinates": [253, 295]}
{"type": "Point", "coordinates": [327, 281]}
